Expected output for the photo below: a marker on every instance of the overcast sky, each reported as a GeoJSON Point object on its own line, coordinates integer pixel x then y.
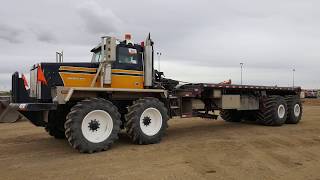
{"type": "Point", "coordinates": [200, 41]}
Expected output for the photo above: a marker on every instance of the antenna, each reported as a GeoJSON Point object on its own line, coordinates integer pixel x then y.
{"type": "Point", "coordinates": [159, 55]}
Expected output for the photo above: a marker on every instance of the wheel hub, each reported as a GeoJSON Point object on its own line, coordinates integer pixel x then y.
{"type": "Point", "coordinates": [146, 121]}
{"type": "Point", "coordinates": [97, 126]}
{"type": "Point", "coordinates": [281, 111]}
{"type": "Point", "coordinates": [94, 125]}
{"type": "Point", "coordinates": [151, 121]}
{"type": "Point", "coordinates": [297, 110]}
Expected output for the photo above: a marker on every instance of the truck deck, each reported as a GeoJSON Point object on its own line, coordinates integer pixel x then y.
{"type": "Point", "coordinates": [238, 87]}
{"type": "Point", "coordinates": [199, 99]}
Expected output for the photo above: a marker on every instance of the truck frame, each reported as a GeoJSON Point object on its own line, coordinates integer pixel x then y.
{"type": "Point", "coordinates": [89, 103]}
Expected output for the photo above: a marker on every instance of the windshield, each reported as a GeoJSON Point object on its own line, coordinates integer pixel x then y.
{"type": "Point", "coordinates": [96, 57]}
{"type": "Point", "coordinates": [127, 55]}
{"type": "Point", "coordinates": [124, 55]}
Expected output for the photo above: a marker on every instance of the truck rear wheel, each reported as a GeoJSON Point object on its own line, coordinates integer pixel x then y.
{"type": "Point", "coordinates": [273, 111]}
{"type": "Point", "coordinates": [93, 125]}
{"type": "Point", "coordinates": [231, 115]}
{"type": "Point", "coordinates": [146, 121]}
{"type": "Point", "coordinates": [294, 109]}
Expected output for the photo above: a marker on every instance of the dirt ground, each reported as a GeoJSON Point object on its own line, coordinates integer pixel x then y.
{"type": "Point", "coordinates": [311, 102]}
{"type": "Point", "coordinates": [192, 149]}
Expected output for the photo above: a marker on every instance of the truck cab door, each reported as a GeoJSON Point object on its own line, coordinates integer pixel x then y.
{"type": "Point", "coordinates": [127, 70]}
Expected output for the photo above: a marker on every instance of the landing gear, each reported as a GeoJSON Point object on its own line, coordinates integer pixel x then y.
{"type": "Point", "coordinates": [146, 121]}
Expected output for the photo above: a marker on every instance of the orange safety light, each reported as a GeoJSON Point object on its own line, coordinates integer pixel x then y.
{"type": "Point", "coordinates": [127, 36]}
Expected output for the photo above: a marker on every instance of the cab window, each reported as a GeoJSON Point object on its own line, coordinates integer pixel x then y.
{"type": "Point", "coordinates": [128, 58]}
{"type": "Point", "coordinates": [127, 55]}
{"type": "Point", "coordinates": [96, 57]}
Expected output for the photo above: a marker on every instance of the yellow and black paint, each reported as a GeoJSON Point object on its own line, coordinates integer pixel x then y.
{"type": "Point", "coordinates": [83, 76]}
{"type": "Point", "coordinates": [127, 79]}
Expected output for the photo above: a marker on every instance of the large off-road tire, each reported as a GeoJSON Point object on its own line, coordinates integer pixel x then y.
{"type": "Point", "coordinates": [54, 129]}
{"type": "Point", "coordinates": [273, 111]}
{"type": "Point", "coordinates": [231, 115]}
{"type": "Point", "coordinates": [56, 120]}
{"type": "Point", "coordinates": [294, 109]}
{"type": "Point", "coordinates": [250, 115]}
{"type": "Point", "coordinates": [146, 121]}
{"type": "Point", "coordinates": [92, 125]}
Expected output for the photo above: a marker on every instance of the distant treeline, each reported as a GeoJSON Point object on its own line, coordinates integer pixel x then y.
{"type": "Point", "coordinates": [4, 93]}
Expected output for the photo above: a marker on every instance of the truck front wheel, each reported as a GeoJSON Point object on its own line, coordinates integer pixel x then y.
{"type": "Point", "coordinates": [56, 120]}
{"type": "Point", "coordinates": [54, 127]}
{"type": "Point", "coordinates": [93, 125]}
{"type": "Point", "coordinates": [146, 121]}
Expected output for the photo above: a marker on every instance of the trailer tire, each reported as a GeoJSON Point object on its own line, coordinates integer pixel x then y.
{"type": "Point", "coordinates": [92, 125]}
{"type": "Point", "coordinates": [294, 109]}
{"type": "Point", "coordinates": [55, 125]}
{"type": "Point", "coordinates": [146, 121]}
{"type": "Point", "coordinates": [250, 115]}
{"type": "Point", "coordinates": [231, 115]}
{"type": "Point", "coordinates": [273, 111]}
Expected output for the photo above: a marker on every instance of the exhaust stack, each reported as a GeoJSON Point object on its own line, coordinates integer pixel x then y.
{"type": "Point", "coordinates": [148, 62]}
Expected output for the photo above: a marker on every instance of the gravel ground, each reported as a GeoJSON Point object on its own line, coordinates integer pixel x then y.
{"type": "Point", "coordinates": [192, 149]}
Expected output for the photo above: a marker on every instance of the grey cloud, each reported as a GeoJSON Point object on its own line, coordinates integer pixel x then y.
{"type": "Point", "coordinates": [9, 33]}
{"type": "Point", "coordinates": [265, 34]}
{"type": "Point", "coordinates": [45, 36]}
{"type": "Point", "coordinates": [98, 20]}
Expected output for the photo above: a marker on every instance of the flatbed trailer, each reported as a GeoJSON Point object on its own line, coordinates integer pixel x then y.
{"type": "Point", "coordinates": [201, 98]}
{"type": "Point", "coordinates": [89, 103]}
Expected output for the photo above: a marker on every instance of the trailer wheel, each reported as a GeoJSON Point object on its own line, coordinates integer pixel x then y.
{"type": "Point", "coordinates": [231, 115]}
{"type": "Point", "coordinates": [56, 120]}
{"type": "Point", "coordinates": [273, 111]}
{"type": "Point", "coordinates": [250, 115]}
{"type": "Point", "coordinates": [92, 125]}
{"type": "Point", "coordinates": [146, 121]}
{"type": "Point", "coordinates": [294, 109]}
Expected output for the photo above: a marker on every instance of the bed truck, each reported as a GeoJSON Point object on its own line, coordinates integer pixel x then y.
{"type": "Point", "coordinates": [89, 103]}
